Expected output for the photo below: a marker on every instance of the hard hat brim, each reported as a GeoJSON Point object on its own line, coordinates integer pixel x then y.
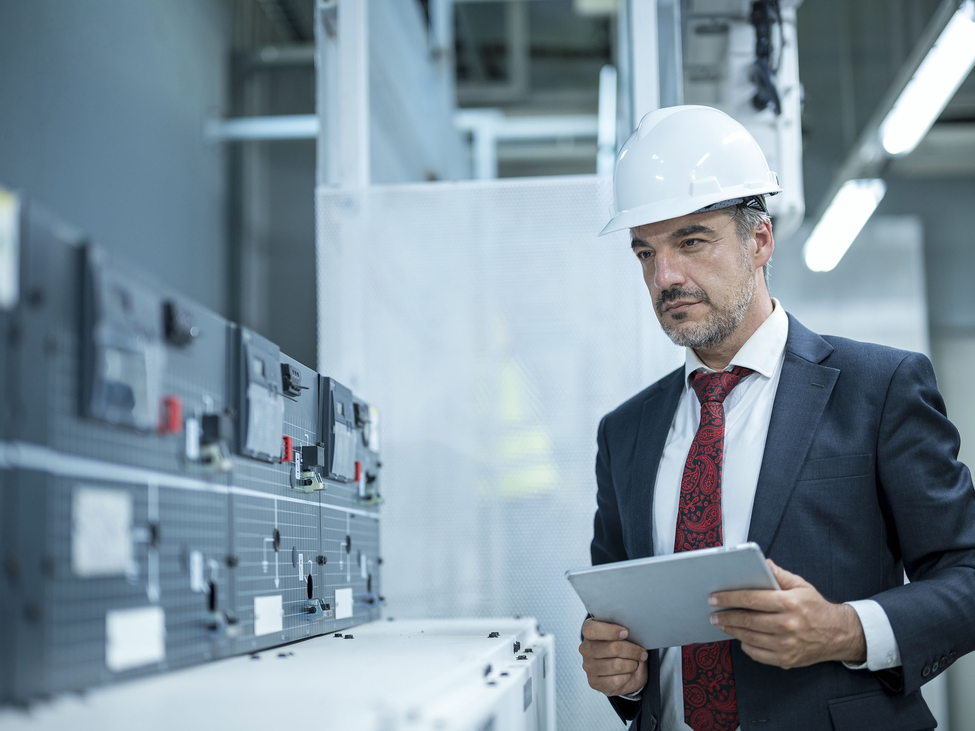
{"type": "Point", "coordinates": [677, 207]}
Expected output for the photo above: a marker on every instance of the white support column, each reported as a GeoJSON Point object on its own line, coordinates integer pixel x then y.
{"type": "Point", "coordinates": [442, 30]}
{"type": "Point", "coordinates": [606, 129]}
{"type": "Point", "coordinates": [644, 58]}
{"type": "Point", "coordinates": [326, 74]}
{"type": "Point", "coordinates": [342, 63]}
{"type": "Point", "coordinates": [670, 54]}
{"type": "Point", "coordinates": [353, 87]}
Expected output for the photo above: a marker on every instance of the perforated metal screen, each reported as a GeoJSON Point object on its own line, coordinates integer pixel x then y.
{"type": "Point", "coordinates": [493, 330]}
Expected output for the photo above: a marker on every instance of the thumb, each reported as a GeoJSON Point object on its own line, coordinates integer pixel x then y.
{"type": "Point", "coordinates": [786, 579]}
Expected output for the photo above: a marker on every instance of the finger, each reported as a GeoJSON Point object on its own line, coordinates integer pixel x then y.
{"type": "Point", "coordinates": [610, 684]}
{"type": "Point", "coordinates": [786, 579]}
{"type": "Point", "coordinates": [779, 658]}
{"type": "Point", "coordinates": [593, 630]}
{"type": "Point", "coordinates": [619, 648]}
{"type": "Point", "coordinates": [610, 667]}
{"type": "Point", "coordinates": [754, 639]}
{"type": "Point", "coordinates": [759, 654]}
{"type": "Point", "coordinates": [636, 682]}
{"type": "Point", "coordinates": [758, 600]}
{"type": "Point", "coordinates": [767, 622]}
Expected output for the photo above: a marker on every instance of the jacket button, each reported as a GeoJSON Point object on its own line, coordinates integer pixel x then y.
{"type": "Point", "coordinates": [943, 662]}
{"type": "Point", "coordinates": [952, 656]}
{"type": "Point", "coordinates": [926, 671]}
{"type": "Point", "coordinates": [652, 722]}
{"type": "Point", "coordinates": [934, 666]}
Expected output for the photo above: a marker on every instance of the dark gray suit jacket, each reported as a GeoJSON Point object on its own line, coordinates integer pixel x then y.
{"type": "Point", "coordinates": [859, 483]}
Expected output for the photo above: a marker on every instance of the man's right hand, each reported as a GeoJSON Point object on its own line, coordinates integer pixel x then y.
{"type": "Point", "coordinates": [614, 666]}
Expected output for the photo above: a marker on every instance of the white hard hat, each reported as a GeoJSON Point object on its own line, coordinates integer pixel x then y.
{"type": "Point", "coordinates": [683, 159]}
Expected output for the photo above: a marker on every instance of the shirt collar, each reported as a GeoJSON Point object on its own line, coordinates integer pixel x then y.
{"type": "Point", "coordinates": [761, 352]}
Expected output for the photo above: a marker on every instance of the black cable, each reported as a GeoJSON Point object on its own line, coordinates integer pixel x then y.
{"type": "Point", "coordinates": [765, 13]}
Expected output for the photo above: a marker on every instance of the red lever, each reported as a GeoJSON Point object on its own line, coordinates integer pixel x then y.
{"type": "Point", "coordinates": [289, 450]}
{"type": "Point", "coordinates": [358, 471]}
{"type": "Point", "coordinates": [171, 416]}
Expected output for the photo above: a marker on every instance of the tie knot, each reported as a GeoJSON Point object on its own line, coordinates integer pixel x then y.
{"type": "Point", "coordinates": [716, 386]}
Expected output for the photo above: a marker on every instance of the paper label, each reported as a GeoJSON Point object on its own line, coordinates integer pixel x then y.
{"type": "Point", "coordinates": [196, 572]}
{"type": "Point", "coordinates": [268, 615]}
{"type": "Point", "coordinates": [343, 603]}
{"type": "Point", "coordinates": [9, 250]}
{"type": "Point", "coordinates": [101, 532]}
{"type": "Point", "coordinates": [192, 430]}
{"type": "Point", "coordinates": [134, 637]}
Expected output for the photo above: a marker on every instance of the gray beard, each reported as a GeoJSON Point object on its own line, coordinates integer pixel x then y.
{"type": "Point", "coordinates": [720, 324]}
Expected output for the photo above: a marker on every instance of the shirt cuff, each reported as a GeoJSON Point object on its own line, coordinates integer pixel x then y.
{"type": "Point", "coordinates": [882, 650]}
{"type": "Point", "coordinates": [632, 696]}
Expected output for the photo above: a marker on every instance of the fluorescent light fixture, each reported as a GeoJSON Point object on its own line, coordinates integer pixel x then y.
{"type": "Point", "coordinates": [934, 83]}
{"type": "Point", "coordinates": [843, 220]}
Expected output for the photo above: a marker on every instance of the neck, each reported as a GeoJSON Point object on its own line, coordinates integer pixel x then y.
{"type": "Point", "coordinates": [718, 357]}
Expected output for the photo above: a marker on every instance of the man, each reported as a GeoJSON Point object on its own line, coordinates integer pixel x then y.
{"type": "Point", "coordinates": [835, 456]}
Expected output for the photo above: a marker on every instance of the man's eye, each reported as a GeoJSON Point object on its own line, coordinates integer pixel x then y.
{"type": "Point", "coordinates": [645, 254]}
{"type": "Point", "coordinates": [691, 243]}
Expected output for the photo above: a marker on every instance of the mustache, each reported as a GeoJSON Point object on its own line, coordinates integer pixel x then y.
{"type": "Point", "coordinates": [679, 293]}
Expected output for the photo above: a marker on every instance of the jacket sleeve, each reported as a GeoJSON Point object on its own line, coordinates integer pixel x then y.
{"type": "Point", "coordinates": [607, 541]}
{"type": "Point", "coordinates": [928, 498]}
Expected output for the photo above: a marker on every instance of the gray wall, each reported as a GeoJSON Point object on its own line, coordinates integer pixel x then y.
{"type": "Point", "coordinates": [102, 105]}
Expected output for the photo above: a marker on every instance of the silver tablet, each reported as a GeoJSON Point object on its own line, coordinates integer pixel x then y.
{"type": "Point", "coordinates": [663, 600]}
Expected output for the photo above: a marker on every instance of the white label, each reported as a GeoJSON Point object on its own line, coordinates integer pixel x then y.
{"type": "Point", "coordinates": [268, 615]}
{"type": "Point", "coordinates": [196, 572]}
{"type": "Point", "coordinates": [301, 567]}
{"type": "Point", "coordinates": [134, 637]}
{"type": "Point", "coordinates": [374, 429]}
{"type": "Point", "coordinates": [363, 566]}
{"type": "Point", "coordinates": [101, 532]}
{"type": "Point", "coordinates": [343, 603]}
{"type": "Point", "coordinates": [192, 429]}
{"type": "Point", "coordinates": [9, 250]}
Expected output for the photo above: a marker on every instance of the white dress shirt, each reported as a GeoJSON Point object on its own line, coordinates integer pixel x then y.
{"type": "Point", "coordinates": [748, 409]}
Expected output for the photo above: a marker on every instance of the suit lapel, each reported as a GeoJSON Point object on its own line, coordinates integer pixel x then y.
{"type": "Point", "coordinates": [656, 418]}
{"type": "Point", "coordinates": [803, 392]}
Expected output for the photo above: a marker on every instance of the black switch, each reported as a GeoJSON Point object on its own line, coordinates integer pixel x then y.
{"type": "Point", "coordinates": [291, 380]}
{"type": "Point", "coordinates": [215, 428]}
{"type": "Point", "coordinates": [180, 328]}
{"type": "Point", "coordinates": [312, 456]}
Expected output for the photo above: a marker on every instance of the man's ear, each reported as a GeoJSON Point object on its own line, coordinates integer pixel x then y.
{"type": "Point", "coordinates": [764, 244]}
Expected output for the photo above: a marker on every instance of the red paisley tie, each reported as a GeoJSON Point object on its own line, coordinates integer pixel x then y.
{"type": "Point", "coordinates": [710, 703]}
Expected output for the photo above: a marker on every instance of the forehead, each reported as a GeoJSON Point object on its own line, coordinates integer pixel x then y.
{"type": "Point", "coordinates": [675, 228]}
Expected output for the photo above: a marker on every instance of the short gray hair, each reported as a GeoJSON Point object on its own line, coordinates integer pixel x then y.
{"type": "Point", "coordinates": [747, 219]}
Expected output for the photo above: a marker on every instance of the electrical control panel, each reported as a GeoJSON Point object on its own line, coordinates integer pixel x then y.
{"type": "Point", "coordinates": [259, 396]}
{"type": "Point", "coordinates": [338, 421]}
{"type": "Point", "coordinates": [173, 488]}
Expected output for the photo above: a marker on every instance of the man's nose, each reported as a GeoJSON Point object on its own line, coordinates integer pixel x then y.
{"type": "Point", "coordinates": [667, 271]}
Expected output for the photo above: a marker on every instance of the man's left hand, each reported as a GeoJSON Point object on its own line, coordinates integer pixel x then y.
{"type": "Point", "coordinates": [790, 628]}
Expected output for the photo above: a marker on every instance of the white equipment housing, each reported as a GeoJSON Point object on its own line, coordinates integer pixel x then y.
{"type": "Point", "coordinates": [420, 675]}
{"type": "Point", "coordinates": [718, 59]}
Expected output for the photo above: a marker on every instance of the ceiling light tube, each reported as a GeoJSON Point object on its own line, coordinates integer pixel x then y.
{"type": "Point", "coordinates": [936, 80]}
{"type": "Point", "coordinates": [843, 220]}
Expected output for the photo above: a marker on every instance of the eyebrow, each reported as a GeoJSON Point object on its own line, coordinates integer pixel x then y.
{"type": "Point", "coordinates": [696, 228]}
{"type": "Point", "coordinates": [680, 233]}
